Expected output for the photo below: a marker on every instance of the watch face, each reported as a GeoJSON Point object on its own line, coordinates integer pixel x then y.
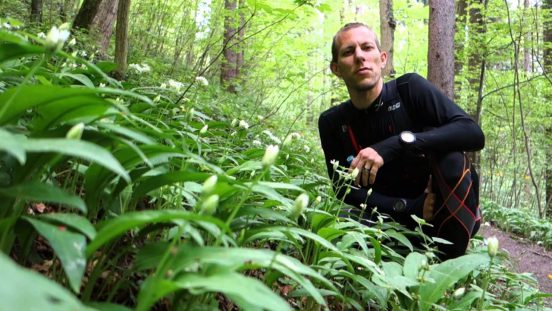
{"type": "Point", "coordinates": [408, 137]}
{"type": "Point", "coordinates": [399, 205]}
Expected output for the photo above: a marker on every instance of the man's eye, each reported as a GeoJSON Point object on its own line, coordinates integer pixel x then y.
{"type": "Point", "coordinates": [367, 48]}
{"type": "Point", "coordinates": [347, 52]}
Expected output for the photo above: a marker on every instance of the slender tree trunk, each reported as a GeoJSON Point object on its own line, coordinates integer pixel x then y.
{"type": "Point", "coordinates": [441, 45]}
{"type": "Point", "coordinates": [459, 43]}
{"type": "Point", "coordinates": [103, 23]}
{"type": "Point", "coordinates": [36, 11]}
{"type": "Point", "coordinates": [241, 37]}
{"type": "Point", "coordinates": [547, 54]}
{"type": "Point", "coordinates": [86, 14]}
{"type": "Point", "coordinates": [526, 44]}
{"type": "Point", "coordinates": [387, 27]}
{"type": "Point", "coordinates": [228, 71]}
{"type": "Point", "coordinates": [121, 39]}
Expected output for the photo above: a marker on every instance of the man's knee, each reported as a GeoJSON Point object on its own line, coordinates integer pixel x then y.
{"type": "Point", "coordinates": [452, 167]}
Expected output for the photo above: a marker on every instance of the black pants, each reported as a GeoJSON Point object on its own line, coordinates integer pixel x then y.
{"type": "Point", "coordinates": [456, 216]}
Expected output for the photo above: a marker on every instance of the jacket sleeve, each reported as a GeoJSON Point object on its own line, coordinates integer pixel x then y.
{"type": "Point", "coordinates": [446, 126]}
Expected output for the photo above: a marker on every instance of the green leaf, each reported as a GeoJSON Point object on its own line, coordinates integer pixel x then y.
{"type": "Point", "coordinates": [79, 77]}
{"type": "Point", "coordinates": [446, 274]}
{"type": "Point", "coordinates": [77, 148]}
{"type": "Point", "coordinates": [40, 192]}
{"type": "Point", "coordinates": [250, 294]}
{"type": "Point", "coordinates": [23, 289]}
{"type": "Point", "coordinates": [412, 265]}
{"type": "Point", "coordinates": [12, 144]}
{"type": "Point", "coordinates": [117, 226]}
{"type": "Point", "coordinates": [75, 222]}
{"type": "Point", "coordinates": [69, 248]}
{"type": "Point", "coordinates": [12, 50]}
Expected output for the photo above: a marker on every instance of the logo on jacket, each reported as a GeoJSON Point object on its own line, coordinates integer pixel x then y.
{"type": "Point", "coordinates": [395, 106]}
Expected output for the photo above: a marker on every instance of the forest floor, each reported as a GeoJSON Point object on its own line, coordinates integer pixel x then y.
{"type": "Point", "coordinates": [525, 256]}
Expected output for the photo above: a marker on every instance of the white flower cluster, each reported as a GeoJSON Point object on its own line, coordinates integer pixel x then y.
{"type": "Point", "coordinates": [272, 137]}
{"type": "Point", "coordinates": [202, 80]}
{"type": "Point", "coordinates": [291, 137]}
{"type": "Point", "coordinates": [243, 124]}
{"type": "Point", "coordinates": [56, 37]}
{"type": "Point", "coordinates": [175, 84]}
{"type": "Point", "coordinates": [140, 68]}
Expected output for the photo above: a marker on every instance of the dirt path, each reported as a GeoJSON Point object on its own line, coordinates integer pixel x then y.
{"type": "Point", "coordinates": [525, 256]}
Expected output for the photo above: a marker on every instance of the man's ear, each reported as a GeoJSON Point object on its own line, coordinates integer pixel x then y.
{"type": "Point", "coordinates": [335, 69]}
{"type": "Point", "coordinates": [383, 58]}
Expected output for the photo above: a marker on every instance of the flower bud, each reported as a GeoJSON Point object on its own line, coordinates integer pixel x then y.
{"type": "Point", "coordinates": [75, 132]}
{"type": "Point", "coordinates": [459, 292]}
{"type": "Point", "coordinates": [270, 155]}
{"type": "Point", "coordinates": [204, 129]}
{"type": "Point", "coordinates": [354, 173]}
{"type": "Point", "coordinates": [301, 203]}
{"type": "Point", "coordinates": [209, 206]}
{"type": "Point", "coordinates": [318, 199]}
{"type": "Point", "coordinates": [492, 246]}
{"type": "Point", "coordinates": [209, 184]}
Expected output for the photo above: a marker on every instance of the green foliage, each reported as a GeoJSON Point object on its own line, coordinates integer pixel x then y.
{"type": "Point", "coordinates": [520, 221]}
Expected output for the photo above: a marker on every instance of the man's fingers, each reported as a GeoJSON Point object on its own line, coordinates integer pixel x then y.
{"type": "Point", "coordinates": [365, 176]}
{"type": "Point", "coordinates": [373, 173]}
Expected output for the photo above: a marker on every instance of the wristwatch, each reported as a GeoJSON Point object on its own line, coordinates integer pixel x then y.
{"type": "Point", "coordinates": [399, 206]}
{"type": "Point", "coordinates": [407, 138]}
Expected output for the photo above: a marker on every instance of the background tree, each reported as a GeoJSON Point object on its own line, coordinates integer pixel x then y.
{"type": "Point", "coordinates": [229, 70]}
{"type": "Point", "coordinates": [86, 14]}
{"type": "Point", "coordinates": [441, 45]}
{"type": "Point", "coordinates": [121, 39]}
{"type": "Point", "coordinates": [102, 23]}
{"type": "Point", "coordinates": [387, 30]}
{"type": "Point", "coordinates": [36, 11]}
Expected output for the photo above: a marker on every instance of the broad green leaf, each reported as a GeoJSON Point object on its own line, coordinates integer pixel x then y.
{"type": "Point", "coordinates": [465, 302]}
{"type": "Point", "coordinates": [69, 248]}
{"type": "Point", "coordinates": [12, 144]}
{"type": "Point", "coordinates": [77, 148]}
{"type": "Point", "coordinates": [11, 50]}
{"type": "Point", "coordinates": [399, 237]}
{"type": "Point", "coordinates": [76, 222]}
{"type": "Point", "coordinates": [150, 183]}
{"type": "Point", "coordinates": [40, 192]}
{"type": "Point", "coordinates": [23, 289]}
{"type": "Point", "coordinates": [112, 228]}
{"type": "Point", "coordinates": [250, 294]}
{"type": "Point", "coordinates": [106, 306]}
{"type": "Point", "coordinates": [412, 264]}
{"type": "Point", "coordinates": [446, 274]}
{"type": "Point", "coordinates": [79, 77]}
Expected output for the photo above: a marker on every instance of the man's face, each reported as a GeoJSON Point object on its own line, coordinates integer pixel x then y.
{"type": "Point", "coordinates": [359, 61]}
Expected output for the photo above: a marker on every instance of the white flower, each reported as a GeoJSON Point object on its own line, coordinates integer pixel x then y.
{"type": "Point", "coordinates": [270, 155]}
{"type": "Point", "coordinates": [318, 199]}
{"type": "Point", "coordinates": [234, 122]}
{"type": "Point", "coordinates": [306, 148]}
{"type": "Point", "coordinates": [243, 124]}
{"type": "Point", "coordinates": [202, 80]}
{"type": "Point", "coordinates": [140, 68]}
{"type": "Point", "coordinates": [75, 132]}
{"type": "Point", "coordinates": [163, 85]}
{"type": "Point", "coordinates": [363, 206]}
{"type": "Point", "coordinates": [6, 25]}
{"type": "Point", "coordinates": [272, 137]}
{"type": "Point", "coordinates": [256, 143]}
{"type": "Point", "coordinates": [175, 84]}
{"type": "Point", "coordinates": [57, 36]}
{"type": "Point", "coordinates": [42, 35]}
{"type": "Point", "coordinates": [204, 129]}
{"type": "Point", "coordinates": [260, 118]}
{"type": "Point", "coordinates": [71, 43]}
{"type": "Point", "coordinates": [335, 164]}
{"type": "Point", "coordinates": [102, 84]}
{"type": "Point", "coordinates": [209, 184]}
{"type": "Point", "coordinates": [301, 202]}
{"type": "Point", "coordinates": [492, 246]}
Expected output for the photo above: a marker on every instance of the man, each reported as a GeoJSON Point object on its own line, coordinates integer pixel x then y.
{"type": "Point", "coordinates": [400, 137]}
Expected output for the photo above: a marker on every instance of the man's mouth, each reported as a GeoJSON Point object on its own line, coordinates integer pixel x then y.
{"type": "Point", "coordinates": [363, 70]}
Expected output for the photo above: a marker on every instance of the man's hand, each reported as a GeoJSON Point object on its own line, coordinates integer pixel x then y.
{"type": "Point", "coordinates": [368, 161]}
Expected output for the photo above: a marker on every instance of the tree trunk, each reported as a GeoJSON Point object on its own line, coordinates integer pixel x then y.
{"type": "Point", "coordinates": [228, 71]}
{"type": "Point", "coordinates": [526, 47]}
{"type": "Point", "coordinates": [387, 27]}
{"type": "Point", "coordinates": [103, 23]}
{"type": "Point", "coordinates": [36, 11]}
{"type": "Point", "coordinates": [241, 37]}
{"type": "Point", "coordinates": [460, 30]}
{"type": "Point", "coordinates": [86, 14]}
{"type": "Point", "coordinates": [121, 39]}
{"type": "Point", "coordinates": [547, 54]}
{"type": "Point", "coordinates": [441, 45]}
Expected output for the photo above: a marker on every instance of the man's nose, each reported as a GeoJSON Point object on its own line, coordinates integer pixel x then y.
{"type": "Point", "coordinates": [359, 53]}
